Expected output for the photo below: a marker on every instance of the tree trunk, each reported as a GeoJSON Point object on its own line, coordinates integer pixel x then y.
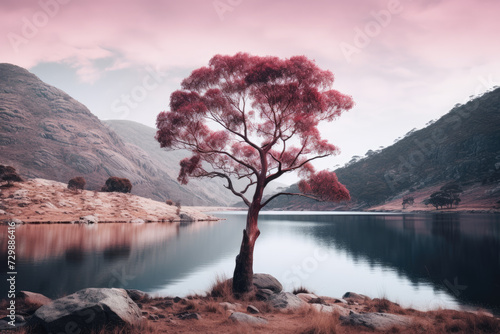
{"type": "Point", "coordinates": [243, 272]}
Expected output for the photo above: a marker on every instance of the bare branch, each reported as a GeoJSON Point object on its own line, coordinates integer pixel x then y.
{"type": "Point", "coordinates": [290, 194]}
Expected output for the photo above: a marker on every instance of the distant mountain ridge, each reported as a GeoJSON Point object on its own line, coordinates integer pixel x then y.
{"type": "Point", "coordinates": [45, 133]}
{"type": "Point", "coordinates": [462, 146]}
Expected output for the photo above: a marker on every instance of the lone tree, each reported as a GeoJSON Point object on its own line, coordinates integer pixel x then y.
{"type": "Point", "coordinates": [408, 200]}
{"type": "Point", "coordinates": [9, 174]}
{"type": "Point", "coordinates": [448, 195]}
{"type": "Point", "coordinates": [76, 183]}
{"type": "Point", "coordinates": [117, 184]}
{"type": "Point", "coordinates": [253, 119]}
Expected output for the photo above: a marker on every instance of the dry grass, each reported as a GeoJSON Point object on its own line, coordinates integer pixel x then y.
{"type": "Point", "coordinates": [322, 323]}
{"type": "Point", "coordinates": [300, 289]}
{"type": "Point", "coordinates": [222, 288]}
{"type": "Point", "coordinates": [386, 306]}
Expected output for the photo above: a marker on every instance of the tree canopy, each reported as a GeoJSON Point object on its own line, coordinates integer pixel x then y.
{"type": "Point", "coordinates": [255, 118]}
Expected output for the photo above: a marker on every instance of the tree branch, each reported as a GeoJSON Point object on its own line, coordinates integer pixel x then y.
{"type": "Point", "coordinates": [289, 194]}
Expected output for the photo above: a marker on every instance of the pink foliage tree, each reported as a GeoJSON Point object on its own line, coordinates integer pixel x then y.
{"type": "Point", "coordinates": [255, 119]}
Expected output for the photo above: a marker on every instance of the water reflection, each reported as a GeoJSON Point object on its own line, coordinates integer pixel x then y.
{"type": "Point", "coordinates": [424, 260]}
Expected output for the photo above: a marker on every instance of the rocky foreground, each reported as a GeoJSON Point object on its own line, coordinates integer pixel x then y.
{"type": "Point", "coordinates": [45, 201]}
{"type": "Point", "coordinates": [267, 309]}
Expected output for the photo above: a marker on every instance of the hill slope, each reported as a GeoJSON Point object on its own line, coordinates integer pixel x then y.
{"type": "Point", "coordinates": [141, 137]}
{"type": "Point", "coordinates": [44, 133]}
{"type": "Point", "coordinates": [463, 145]}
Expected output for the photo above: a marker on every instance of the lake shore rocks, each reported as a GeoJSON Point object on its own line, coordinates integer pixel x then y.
{"type": "Point", "coordinates": [377, 321]}
{"type": "Point", "coordinates": [89, 308]}
{"type": "Point", "coordinates": [103, 309]}
{"type": "Point", "coordinates": [266, 281]}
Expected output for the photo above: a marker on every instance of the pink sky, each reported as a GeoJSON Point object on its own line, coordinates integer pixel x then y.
{"type": "Point", "coordinates": [415, 65]}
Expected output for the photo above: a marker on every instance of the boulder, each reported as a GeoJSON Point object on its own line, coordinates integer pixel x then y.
{"type": "Point", "coordinates": [377, 321]}
{"type": "Point", "coordinates": [229, 306]}
{"type": "Point", "coordinates": [354, 297]}
{"type": "Point", "coordinates": [252, 309]}
{"type": "Point", "coordinates": [88, 220]}
{"type": "Point", "coordinates": [189, 315]}
{"type": "Point", "coordinates": [247, 319]}
{"type": "Point", "coordinates": [186, 218]}
{"type": "Point", "coordinates": [306, 296]}
{"type": "Point", "coordinates": [285, 301]}
{"type": "Point", "coordinates": [32, 300]}
{"type": "Point", "coordinates": [6, 323]}
{"type": "Point", "coordinates": [87, 309]}
{"type": "Point", "coordinates": [266, 281]}
{"type": "Point", "coordinates": [263, 294]}
{"type": "Point", "coordinates": [136, 295]}
{"type": "Point", "coordinates": [331, 309]}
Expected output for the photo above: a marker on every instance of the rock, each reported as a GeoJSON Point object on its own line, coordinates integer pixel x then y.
{"type": "Point", "coordinates": [230, 306]}
{"type": "Point", "coordinates": [177, 299]}
{"type": "Point", "coordinates": [5, 322]}
{"type": "Point", "coordinates": [136, 295]}
{"type": "Point", "coordinates": [378, 321]}
{"type": "Point", "coordinates": [186, 218]}
{"type": "Point", "coordinates": [306, 296]}
{"type": "Point", "coordinates": [266, 281]}
{"type": "Point", "coordinates": [285, 301]}
{"type": "Point", "coordinates": [137, 221]}
{"type": "Point", "coordinates": [263, 294]}
{"type": "Point", "coordinates": [153, 317]}
{"type": "Point", "coordinates": [2, 212]}
{"type": "Point", "coordinates": [331, 309]}
{"type": "Point", "coordinates": [17, 221]}
{"type": "Point", "coordinates": [252, 309]}
{"type": "Point", "coordinates": [317, 301]}
{"type": "Point", "coordinates": [247, 319]}
{"type": "Point", "coordinates": [88, 220]}
{"type": "Point", "coordinates": [91, 308]}
{"type": "Point", "coordinates": [354, 297]}
{"type": "Point", "coordinates": [32, 300]}
{"type": "Point", "coordinates": [340, 300]}
{"type": "Point", "coordinates": [188, 315]}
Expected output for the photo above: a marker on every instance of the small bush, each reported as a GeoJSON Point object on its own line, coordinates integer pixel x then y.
{"type": "Point", "coordinates": [76, 183]}
{"type": "Point", "coordinates": [9, 174]}
{"type": "Point", "coordinates": [117, 184]}
{"type": "Point", "coordinates": [169, 202]}
{"type": "Point", "coordinates": [300, 289]}
{"type": "Point", "coordinates": [222, 288]}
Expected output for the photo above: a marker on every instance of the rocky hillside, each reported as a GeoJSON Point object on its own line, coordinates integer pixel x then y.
{"type": "Point", "coordinates": [140, 138]}
{"type": "Point", "coordinates": [44, 133]}
{"type": "Point", "coordinates": [463, 145]}
{"type": "Point", "coordinates": [40, 200]}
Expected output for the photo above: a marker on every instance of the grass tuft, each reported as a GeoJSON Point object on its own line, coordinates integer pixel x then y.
{"type": "Point", "coordinates": [300, 289]}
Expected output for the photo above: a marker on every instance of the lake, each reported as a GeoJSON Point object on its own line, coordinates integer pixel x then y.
{"type": "Point", "coordinates": [418, 260]}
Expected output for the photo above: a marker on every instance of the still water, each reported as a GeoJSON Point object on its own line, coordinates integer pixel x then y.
{"type": "Point", "coordinates": [422, 261]}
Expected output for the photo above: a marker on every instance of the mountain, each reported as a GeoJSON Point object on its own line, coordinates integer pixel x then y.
{"type": "Point", "coordinates": [45, 133]}
{"type": "Point", "coordinates": [462, 146]}
{"type": "Point", "coordinates": [141, 137]}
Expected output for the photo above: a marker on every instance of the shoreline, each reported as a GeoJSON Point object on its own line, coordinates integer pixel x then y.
{"type": "Point", "coordinates": [268, 309]}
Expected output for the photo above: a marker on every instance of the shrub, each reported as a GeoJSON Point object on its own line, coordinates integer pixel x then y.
{"type": "Point", "coordinates": [300, 289]}
{"type": "Point", "coordinates": [117, 184]}
{"type": "Point", "coordinates": [76, 183]}
{"type": "Point", "coordinates": [9, 174]}
{"type": "Point", "coordinates": [169, 202]}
